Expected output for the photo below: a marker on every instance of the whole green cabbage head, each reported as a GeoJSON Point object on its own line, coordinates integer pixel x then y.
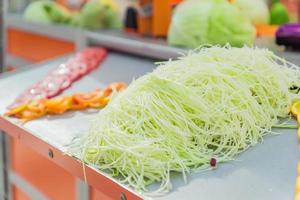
{"type": "Point", "coordinates": [256, 10]}
{"type": "Point", "coordinates": [46, 11]}
{"type": "Point", "coordinates": [198, 22]}
{"type": "Point", "coordinates": [97, 14]}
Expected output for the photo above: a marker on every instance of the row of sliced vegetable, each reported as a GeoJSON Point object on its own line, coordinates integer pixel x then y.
{"type": "Point", "coordinates": [38, 108]}
{"type": "Point", "coordinates": [37, 101]}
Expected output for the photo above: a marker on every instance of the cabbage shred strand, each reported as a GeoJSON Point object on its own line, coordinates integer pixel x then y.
{"type": "Point", "coordinates": [212, 103]}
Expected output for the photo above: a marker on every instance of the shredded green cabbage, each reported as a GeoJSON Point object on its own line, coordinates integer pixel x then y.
{"type": "Point", "coordinates": [212, 103]}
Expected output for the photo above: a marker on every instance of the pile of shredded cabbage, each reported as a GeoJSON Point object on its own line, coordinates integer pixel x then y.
{"type": "Point", "coordinates": [212, 103]}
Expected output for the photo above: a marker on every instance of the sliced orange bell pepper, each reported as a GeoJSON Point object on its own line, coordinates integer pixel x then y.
{"type": "Point", "coordinates": [28, 115]}
{"type": "Point", "coordinates": [80, 101]}
{"type": "Point", "coordinates": [38, 108]}
{"type": "Point", "coordinates": [114, 87]}
{"type": "Point", "coordinates": [99, 103]}
{"type": "Point", "coordinates": [16, 110]}
{"type": "Point", "coordinates": [58, 105]}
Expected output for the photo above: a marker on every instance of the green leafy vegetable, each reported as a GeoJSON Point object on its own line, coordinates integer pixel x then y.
{"type": "Point", "coordinates": [209, 105]}
{"type": "Point", "coordinates": [46, 11]}
{"type": "Point", "coordinates": [279, 14]}
{"type": "Point", "coordinates": [197, 22]}
{"type": "Point", "coordinates": [256, 10]}
{"type": "Point", "coordinates": [97, 14]}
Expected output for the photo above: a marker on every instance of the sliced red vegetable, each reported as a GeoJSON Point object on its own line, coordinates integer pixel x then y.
{"type": "Point", "coordinates": [53, 86]}
{"type": "Point", "coordinates": [82, 68]}
{"type": "Point", "coordinates": [74, 74]}
{"type": "Point", "coordinates": [65, 84]}
{"type": "Point", "coordinates": [63, 76]}
{"type": "Point", "coordinates": [60, 70]}
{"type": "Point", "coordinates": [213, 162]}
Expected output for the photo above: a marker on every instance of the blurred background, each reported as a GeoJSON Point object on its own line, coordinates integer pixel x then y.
{"type": "Point", "coordinates": [38, 30]}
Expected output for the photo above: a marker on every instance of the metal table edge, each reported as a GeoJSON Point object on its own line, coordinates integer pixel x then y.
{"type": "Point", "coordinates": [59, 31]}
{"type": "Point", "coordinates": [90, 175]}
{"type": "Point", "coordinates": [134, 46]}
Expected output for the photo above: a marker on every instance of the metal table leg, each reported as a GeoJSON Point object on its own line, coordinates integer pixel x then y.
{"type": "Point", "coordinates": [4, 140]}
{"type": "Point", "coordinates": [82, 190]}
{"type": "Point", "coordinates": [3, 9]}
{"type": "Point", "coordinates": [5, 191]}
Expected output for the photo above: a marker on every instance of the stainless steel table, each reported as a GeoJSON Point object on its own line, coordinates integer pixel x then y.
{"type": "Point", "coordinates": [266, 171]}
